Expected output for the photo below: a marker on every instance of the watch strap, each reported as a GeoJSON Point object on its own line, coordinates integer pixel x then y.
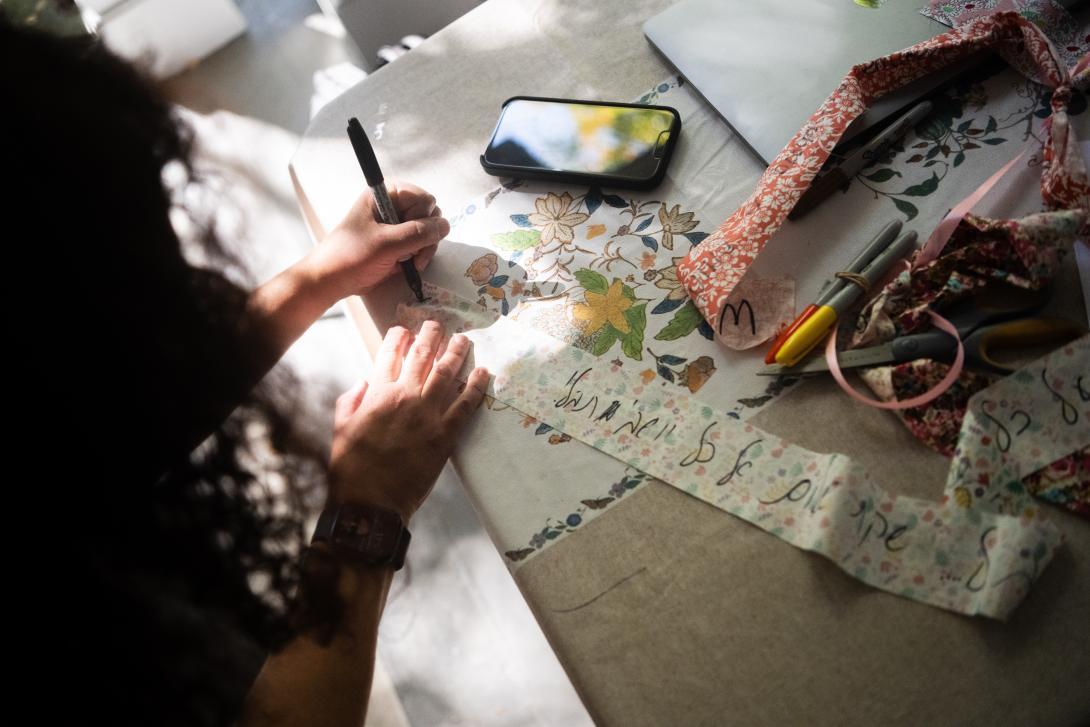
{"type": "Point", "coordinates": [369, 534]}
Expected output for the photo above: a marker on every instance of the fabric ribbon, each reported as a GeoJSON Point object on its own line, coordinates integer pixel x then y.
{"type": "Point", "coordinates": [925, 398]}
{"type": "Point", "coordinates": [931, 250]}
{"type": "Point", "coordinates": [712, 270]}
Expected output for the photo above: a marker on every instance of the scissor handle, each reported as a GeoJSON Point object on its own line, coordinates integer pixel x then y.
{"type": "Point", "coordinates": [934, 344]}
{"type": "Point", "coordinates": [1016, 334]}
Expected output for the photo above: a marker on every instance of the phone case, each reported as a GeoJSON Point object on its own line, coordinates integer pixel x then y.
{"type": "Point", "coordinates": [591, 180]}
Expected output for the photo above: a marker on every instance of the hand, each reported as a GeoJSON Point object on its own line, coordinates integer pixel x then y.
{"type": "Point", "coordinates": [363, 251]}
{"type": "Point", "coordinates": [393, 434]}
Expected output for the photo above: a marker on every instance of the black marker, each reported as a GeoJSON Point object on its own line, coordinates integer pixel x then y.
{"type": "Point", "coordinates": [371, 172]}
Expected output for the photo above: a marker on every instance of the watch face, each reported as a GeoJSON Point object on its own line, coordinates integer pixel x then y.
{"type": "Point", "coordinates": [368, 532]}
{"type": "Point", "coordinates": [355, 525]}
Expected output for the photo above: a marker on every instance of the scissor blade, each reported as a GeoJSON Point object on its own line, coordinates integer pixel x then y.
{"type": "Point", "coordinates": [873, 356]}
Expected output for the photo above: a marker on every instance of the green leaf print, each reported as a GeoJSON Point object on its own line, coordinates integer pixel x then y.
{"type": "Point", "coordinates": [604, 341]}
{"type": "Point", "coordinates": [924, 188]}
{"type": "Point", "coordinates": [517, 240]}
{"type": "Point", "coordinates": [632, 343]}
{"type": "Point", "coordinates": [592, 281]}
{"type": "Point", "coordinates": [682, 324]}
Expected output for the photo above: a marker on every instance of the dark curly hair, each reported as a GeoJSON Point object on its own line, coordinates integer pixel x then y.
{"type": "Point", "coordinates": [167, 558]}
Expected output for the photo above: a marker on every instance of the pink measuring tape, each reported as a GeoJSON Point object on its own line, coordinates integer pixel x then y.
{"type": "Point", "coordinates": [931, 250]}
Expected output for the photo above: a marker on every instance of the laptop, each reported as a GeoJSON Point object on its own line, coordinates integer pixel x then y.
{"type": "Point", "coordinates": [766, 66]}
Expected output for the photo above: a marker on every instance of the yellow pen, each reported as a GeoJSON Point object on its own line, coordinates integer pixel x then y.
{"type": "Point", "coordinates": [880, 242]}
{"type": "Point", "coordinates": [821, 321]}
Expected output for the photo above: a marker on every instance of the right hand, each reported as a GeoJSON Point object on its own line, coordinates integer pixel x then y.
{"type": "Point", "coordinates": [393, 434]}
{"type": "Point", "coordinates": [362, 251]}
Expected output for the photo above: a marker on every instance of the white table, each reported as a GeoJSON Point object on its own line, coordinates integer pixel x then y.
{"type": "Point", "coordinates": [666, 610]}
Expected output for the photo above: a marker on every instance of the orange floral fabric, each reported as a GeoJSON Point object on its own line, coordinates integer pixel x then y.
{"type": "Point", "coordinates": [712, 270]}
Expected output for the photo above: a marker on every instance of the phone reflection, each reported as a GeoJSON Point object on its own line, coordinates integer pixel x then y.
{"type": "Point", "coordinates": [584, 138]}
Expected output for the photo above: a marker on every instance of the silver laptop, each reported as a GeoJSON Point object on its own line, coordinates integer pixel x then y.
{"type": "Point", "coordinates": [766, 66]}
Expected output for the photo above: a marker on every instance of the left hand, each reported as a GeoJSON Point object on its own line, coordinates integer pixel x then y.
{"type": "Point", "coordinates": [363, 251]}
{"type": "Point", "coordinates": [392, 434]}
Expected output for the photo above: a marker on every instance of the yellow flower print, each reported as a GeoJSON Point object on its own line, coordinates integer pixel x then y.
{"type": "Point", "coordinates": [602, 308]}
{"type": "Point", "coordinates": [555, 219]}
{"type": "Point", "coordinates": [675, 222]}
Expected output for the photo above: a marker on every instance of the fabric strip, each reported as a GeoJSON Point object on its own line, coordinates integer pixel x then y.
{"type": "Point", "coordinates": [713, 270]}
{"type": "Point", "coordinates": [974, 555]}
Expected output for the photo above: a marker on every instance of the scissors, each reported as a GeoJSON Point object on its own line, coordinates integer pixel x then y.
{"type": "Point", "coordinates": [997, 317]}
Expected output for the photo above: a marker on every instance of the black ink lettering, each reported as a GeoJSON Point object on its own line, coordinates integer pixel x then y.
{"type": "Point", "coordinates": [697, 455]}
{"type": "Point", "coordinates": [739, 465]}
{"type": "Point", "coordinates": [669, 426]}
{"type": "Point", "coordinates": [1002, 435]}
{"type": "Point", "coordinates": [574, 379]}
{"type": "Point", "coordinates": [798, 491]}
{"type": "Point", "coordinates": [860, 513]}
{"type": "Point", "coordinates": [645, 425]}
{"type": "Point", "coordinates": [609, 412]}
{"type": "Point", "coordinates": [1084, 393]}
{"type": "Point", "coordinates": [870, 528]}
{"type": "Point", "coordinates": [979, 577]}
{"type": "Point", "coordinates": [894, 534]}
{"type": "Point", "coordinates": [737, 313]}
{"type": "Point", "coordinates": [815, 498]}
{"type": "Point", "coordinates": [1017, 413]}
{"type": "Point", "coordinates": [592, 404]}
{"type": "Point", "coordinates": [877, 525]}
{"type": "Point", "coordinates": [632, 425]}
{"type": "Point", "coordinates": [1067, 410]}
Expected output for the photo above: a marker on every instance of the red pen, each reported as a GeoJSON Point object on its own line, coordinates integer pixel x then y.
{"type": "Point", "coordinates": [881, 241]}
{"type": "Point", "coordinates": [770, 357]}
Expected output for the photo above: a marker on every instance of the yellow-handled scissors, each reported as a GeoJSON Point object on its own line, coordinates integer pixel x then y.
{"type": "Point", "coordinates": [995, 319]}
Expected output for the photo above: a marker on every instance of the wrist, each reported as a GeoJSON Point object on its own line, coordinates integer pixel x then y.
{"type": "Point", "coordinates": [318, 279]}
{"type": "Point", "coordinates": [363, 533]}
{"type": "Point", "coordinates": [336, 591]}
{"type": "Point", "coordinates": [368, 495]}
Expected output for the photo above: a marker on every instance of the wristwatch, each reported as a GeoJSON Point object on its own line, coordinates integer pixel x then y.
{"type": "Point", "coordinates": [368, 534]}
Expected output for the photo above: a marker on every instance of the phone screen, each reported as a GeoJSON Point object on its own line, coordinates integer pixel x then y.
{"type": "Point", "coordinates": [576, 137]}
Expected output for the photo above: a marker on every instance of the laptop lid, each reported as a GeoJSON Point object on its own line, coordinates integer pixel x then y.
{"type": "Point", "coordinates": [767, 66]}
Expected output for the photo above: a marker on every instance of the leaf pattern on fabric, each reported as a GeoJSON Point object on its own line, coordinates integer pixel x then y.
{"type": "Point", "coordinates": [956, 130]}
{"type": "Point", "coordinates": [555, 527]}
{"type": "Point", "coordinates": [711, 271]}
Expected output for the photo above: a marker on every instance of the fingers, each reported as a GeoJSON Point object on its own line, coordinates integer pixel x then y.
{"type": "Point", "coordinates": [410, 201]}
{"type": "Point", "coordinates": [409, 237]}
{"type": "Point", "coordinates": [423, 257]}
{"type": "Point", "coordinates": [349, 402]}
{"type": "Point", "coordinates": [421, 208]}
{"type": "Point", "coordinates": [418, 364]}
{"type": "Point", "coordinates": [390, 354]}
{"type": "Point", "coordinates": [468, 401]}
{"type": "Point", "coordinates": [443, 377]}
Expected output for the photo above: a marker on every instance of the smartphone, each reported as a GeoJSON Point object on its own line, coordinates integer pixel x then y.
{"type": "Point", "coordinates": [593, 143]}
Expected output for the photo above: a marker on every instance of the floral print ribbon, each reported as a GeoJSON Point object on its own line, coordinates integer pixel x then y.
{"type": "Point", "coordinates": [977, 551]}
{"type": "Point", "coordinates": [711, 271]}
{"type": "Point", "coordinates": [1068, 37]}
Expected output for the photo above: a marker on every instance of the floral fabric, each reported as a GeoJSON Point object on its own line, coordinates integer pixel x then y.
{"type": "Point", "coordinates": [1068, 37]}
{"type": "Point", "coordinates": [711, 272]}
{"type": "Point", "coordinates": [1022, 252]}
